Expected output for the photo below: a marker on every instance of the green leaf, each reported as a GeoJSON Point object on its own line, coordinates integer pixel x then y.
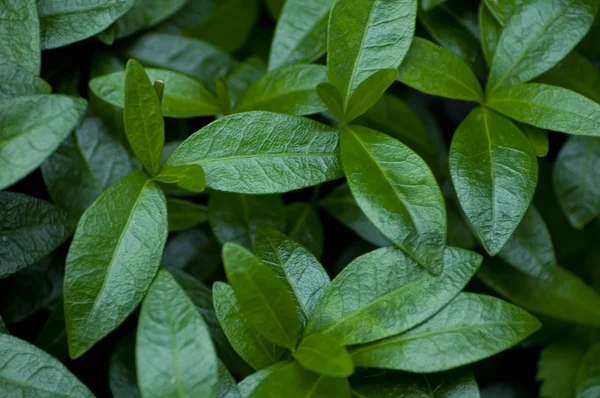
{"type": "Point", "coordinates": [243, 75]}
{"type": "Point", "coordinates": [291, 89]}
{"type": "Point", "coordinates": [142, 117]}
{"type": "Point", "coordinates": [183, 96]}
{"type": "Point", "coordinates": [114, 255]}
{"type": "Point", "coordinates": [560, 294]}
{"type": "Point", "coordinates": [435, 70]}
{"type": "Point", "coordinates": [526, 50]}
{"type": "Point", "coordinates": [27, 371]}
{"type": "Point", "coordinates": [3, 328]}
{"type": "Point", "coordinates": [183, 214]}
{"type": "Point", "coordinates": [21, 35]}
{"type": "Point", "coordinates": [538, 139]}
{"type": "Point", "coordinates": [472, 327]}
{"type": "Point", "coordinates": [263, 298]}
{"type": "Point", "coordinates": [379, 39]}
{"type": "Point", "coordinates": [15, 82]}
{"type": "Point", "coordinates": [187, 55]}
{"type": "Point", "coordinates": [588, 381]}
{"type": "Point", "coordinates": [301, 32]}
{"type": "Point", "coordinates": [245, 340]}
{"type": "Point", "coordinates": [234, 217]}
{"type": "Point", "coordinates": [557, 370]}
{"type": "Point", "coordinates": [86, 163]}
{"type": "Point", "coordinates": [249, 384]}
{"type": "Point", "coordinates": [30, 229]}
{"type": "Point", "coordinates": [341, 205]}
{"type": "Point", "coordinates": [226, 387]}
{"type": "Point", "coordinates": [66, 22]}
{"type": "Point", "coordinates": [459, 233]}
{"type": "Point", "coordinates": [502, 11]}
{"type": "Point", "coordinates": [490, 31]}
{"type": "Point", "coordinates": [332, 98]}
{"type": "Point", "coordinates": [122, 378]}
{"type": "Point", "coordinates": [301, 383]}
{"type": "Point", "coordinates": [301, 271]}
{"type": "Point", "coordinates": [369, 92]}
{"type": "Point", "coordinates": [189, 177]}
{"type": "Point", "coordinates": [195, 251]}
{"type": "Point", "coordinates": [239, 153]}
{"type": "Point", "coordinates": [494, 171]}
{"type": "Point", "coordinates": [304, 226]}
{"type": "Point", "coordinates": [145, 14]}
{"type": "Point", "coordinates": [325, 355]}
{"type": "Point", "coordinates": [31, 128]}
{"type": "Point", "coordinates": [397, 191]}
{"type": "Point", "coordinates": [174, 354]}
{"type": "Point", "coordinates": [53, 336]}
{"type": "Point", "coordinates": [589, 45]}
{"type": "Point", "coordinates": [429, 4]}
{"type": "Point", "coordinates": [548, 107]}
{"type": "Point", "coordinates": [376, 295]}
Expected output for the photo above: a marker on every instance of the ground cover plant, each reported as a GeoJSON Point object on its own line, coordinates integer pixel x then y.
{"type": "Point", "coordinates": [299, 198]}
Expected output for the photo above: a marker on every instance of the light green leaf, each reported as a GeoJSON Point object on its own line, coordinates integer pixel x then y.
{"type": "Point", "coordinates": [183, 96]}
{"type": "Point", "coordinates": [121, 369]}
{"type": "Point", "coordinates": [538, 139]}
{"type": "Point", "coordinates": [301, 32]}
{"type": "Point", "coordinates": [189, 177]}
{"type": "Point", "coordinates": [472, 327]}
{"type": "Point", "coordinates": [64, 22]}
{"type": "Point", "coordinates": [548, 107]}
{"type": "Point", "coordinates": [291, 89]}
{"type": "Point", "coordinates": [245, 340]}
{"type": "Point", "coordinates": [560, 294]}
{"type": "Point", "coordinates": [226, 387]}
{"type": "Point", "coordinates": [557, 370]}
{"type": "Point", "coordinates": [239, 153]}
{"type": "Point", "coordinates": [435, 70]}
{"type": "Point", "coordinates": [31, 128]}
{"type": "Point", "coordinates": [526, 50]}
{"type": "Point", "coordinates": [296, 382]}
{"type": "Point", "coordinates": [87, 163]}
{"type": "Point", "coordinates": [145, 14]}
{"type": "Point", "coordinates": [27, 371]}
{"type": "Point", "coordinates": [577, 179]}
{"type": "Point", "coordinates": [397, 191]}
{"type": "Point", "coordinates": [183, 214]}
{"type": "Point", "coordinates": [301, 271]}
{"type": "Point", "coordinates": [174, 354]}
{"type": "Point", "coordinates": [494, 171]}
{"type": "Point", "coordinates": [325, 355]}
{"type": "Point", "coordinates": [113, 258]}
{"type": "Point", "coordinates": [588, 379]}
{"type": "Point", "coordinates": [15, 81]}
{"type": "Point", "coordinates": [30, 229]}
{"type": "Point", "coordinates": [304, 226]}
{"type": "Point", "coordinates": [369, 92]}
{"type": "Point", "coordinates": [380, 36]}
{"type": "Point", "coordinates": [376, 295]}
{"type": "Point", "coordinates": [20, 30]}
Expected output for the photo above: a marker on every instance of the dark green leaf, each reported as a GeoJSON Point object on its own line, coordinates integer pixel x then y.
{"type": "Point", "coordinates": [114, 255]}
{"type": "Point", "coordinates": [121, 369]}
{"type": "Point", "coordinates": [490, 30]}
{"type": "Point", "coordinates": [429, 4]}
{"type": "Point", "coordinates": [325, 355]}
{"type": "Point", "coordinates": [459, 233]}
{"type": "Point", "coordinates": [332, 98]}
{"type": "Point", "coordinates": [15, 81]}
{"type": "Point", "coordinates": [3, 328]}
{"type": "Point", "coordinates": [226, 386]}
{"type": "Point", "coordinates": [557, 370]}
{"type": "Point", "coordinates": [184, 215]}
{"type": "Point", "coordinates": [20, 30]}
{"type": "Point", "coordinates": [145, 14]}
{"type": "Point", "coordinates": [369, 92]}
{"type": "Point", "coordinates": [538, 139]}
{"type": "Point", "coordinates": [588, 379]}
{"type": "Point", "coordinates": [194, 251]}
{"type": "Point", "coordinates": [304, 226]}
{"type": "Point", "coordinates": [243, 75]}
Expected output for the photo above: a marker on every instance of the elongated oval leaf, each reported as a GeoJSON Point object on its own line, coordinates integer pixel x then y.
{"type": "Point", "coordinates": [325, 355]}
{"type": "Point", "coordinates": [174, 353]}
{"type": "Point", "coordinates": [21, 35]}
{"type": "Point", "coordinates": [239, 153]}
{"type": "Point", "coordinates": [384, 292]}
{"type": "Point", "coordinates": [588, 379]}
{"type": "Point", "coordinates": [114, 255]}
{"type": "Point", "coordinates": [30, 229]}
{"type": "Point", "coordinates": [31, 128]}
{"type": "Point", "coordinates": [470, 328]}
{"type": "Point", "coordinates": [368, 93]}
{"type": "Point", "coordinates": [490, 31]}
{"type": "Point", "coordinates": [494, 171]}
{"type": "Point", "coordinates": [27, 371]}
{"type": "Point", "coordinates": [397, 191]}
{"type": "Point", "coordinates": [304, 226]}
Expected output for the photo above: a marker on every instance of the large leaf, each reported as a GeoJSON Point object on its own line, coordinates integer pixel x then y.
{"type": "Point", "coordinates": [262, 152]}
{"type": "Point", "coordinates": [397, 191]}
{"type": "Point", "coordinates": [470, 328]}
{"type": "Point", "coordinates": [301, 32]}
{"type": "Point", "coordinates": [560, 294]}
{"type": "Point", "coordinates": [30, 229]}
{"type": "Point", "coordinates": [537, 36]}
{"type": "Point", "coordinates": [86, 164]}
{"type": "Point", "coordinates": [557, 369]}
{"type": "Point", "coordinates": [21, 35]}
{"type": "Point", "coordinates": [325, 355]}
{"type": "Point", "coordinates": [588, 379]}
{"type": "Point", "coordinates": [31, 128]}
{"type": "Point", "coordinates": [291, 89]}
{"type": "Point", "coordinates": [376, 295]}
{"type": "Point", "coordinates": [435, 70]}
{"type": "Point", "coordinates": [494, 171]}
{"type": "Point", "coordinates": [64, 22]}
{"type": "Point", "coordinates": [113, 258]}
{"type": "Point", "coordinates": [174, 353]}
{"type": "Point", "coordinates": [183, 96]}
{"type": "Point", "coordinates": [304, 226]}
{"type": "Point", "coordinates": [27, 371]}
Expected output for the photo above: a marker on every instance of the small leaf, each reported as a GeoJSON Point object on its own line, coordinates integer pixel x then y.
{"type": "Point", "coordinates": [332, 98]}
{"type": "Point", "coordinates": [20, 47]}
{"type": "Point", "coordinates": [121, 369]}
{"type": "Point", "coordinates": [304, 226]}
{"type": "Point", "coordinates": [325, 355]}
{"type": "Point", "coordinates": [557, 369]}
{"type": "Point", "coordinates": [538, 139]}
{"type": "Point", "coordinates": [263, 298]}
{"type": "Point", "coordinates": [369, 92]}
{"type": "Point", "coordinates": [184, 215]}
{"type": "Point", "coordinates": [588, 381]}
{"type": "Point", "coordinates": [189, 177]}
{"type": "Point", "coordinates": [472, 327]}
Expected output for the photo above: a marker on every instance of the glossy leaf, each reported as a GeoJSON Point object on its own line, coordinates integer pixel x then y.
{"type": "Point", "coordinates": [20, 46]}
{"type": "Point", "coordinates": [376, 295]}
{"type": "Point", "coordinates": [174, 353]}
{"type": "Point", "coordinates": [397, 191]}
{"type": "Point", "coordinates": [557, 369]}
{"type": "Point", "coordinates": [304, 226]}
{"type": "Point", "coordinates": [588, 381]}
{"type": "Point", "coordinates": [325, 355]}
{"type": "Point", "coordinates": [494, 171]}
{"type": "Point", "coordinates": [113, 258]}
{"type": "Point", "coordinates": [238, 153]}
{"type": "Point", "coordinates": [368, 93]}
{"type": "Point", "coordinates": [184, 215]}
{"type": "Point", "coordinates": [470, 328]}
{"type": "Point", "coordinates": [31, 128]}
